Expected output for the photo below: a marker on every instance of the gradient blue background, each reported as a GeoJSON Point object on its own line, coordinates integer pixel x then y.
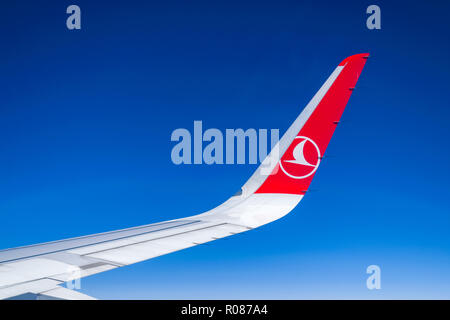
{"type": "Point", "coordinates": [86, 118]}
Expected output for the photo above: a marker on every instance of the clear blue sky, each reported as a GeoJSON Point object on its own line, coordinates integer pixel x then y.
{"type": "Point", "coordinates": [86, 118]}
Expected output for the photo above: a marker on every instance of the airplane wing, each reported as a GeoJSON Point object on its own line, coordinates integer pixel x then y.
{"type": "Point", "coordinates": [276, 187]}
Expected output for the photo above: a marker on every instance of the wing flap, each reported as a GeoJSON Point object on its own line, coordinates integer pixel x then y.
{"type": "Point", "coordinates": [153, 248]}
{"type": "Point", "coordinates": [62, 293]}
{"type": "Point", "coordinates": [31, 287]}
{"type": "Point", "coordinates": [141, 238]}
{"type": "Point", "coordinates": [30, 270]}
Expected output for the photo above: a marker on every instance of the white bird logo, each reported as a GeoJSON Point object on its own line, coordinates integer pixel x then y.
{"type": "Point", "coordinates": [299, 155]}
{"type": "Point", "coordinates": [299, 158]}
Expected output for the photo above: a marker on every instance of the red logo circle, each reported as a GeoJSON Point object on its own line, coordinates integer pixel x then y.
{"type": "Point", "coordinates": [301, 159]}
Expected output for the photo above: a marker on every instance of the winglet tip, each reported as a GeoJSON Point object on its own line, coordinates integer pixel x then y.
{"type": "Point", "coordinates": [354, 57]}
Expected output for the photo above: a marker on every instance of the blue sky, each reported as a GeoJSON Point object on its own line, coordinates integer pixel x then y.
{"type": "Point", "coordinates": [86, 118]}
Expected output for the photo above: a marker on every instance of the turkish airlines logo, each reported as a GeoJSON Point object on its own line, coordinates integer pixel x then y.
{"type": "Point", "coordinates": [304, 159]}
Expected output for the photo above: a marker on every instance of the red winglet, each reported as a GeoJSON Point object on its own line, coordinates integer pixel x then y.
{"type": "Point", "coordinates": [297, 166]}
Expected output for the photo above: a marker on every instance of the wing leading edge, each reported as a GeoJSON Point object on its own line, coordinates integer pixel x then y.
{"type": "Point", "coordinates": [275, 188]}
